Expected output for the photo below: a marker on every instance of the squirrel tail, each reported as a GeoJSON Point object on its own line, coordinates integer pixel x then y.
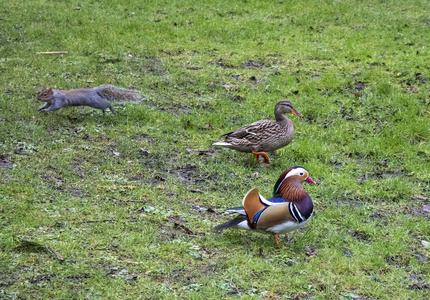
{"type": "Point", "coordinates": [113, 93]}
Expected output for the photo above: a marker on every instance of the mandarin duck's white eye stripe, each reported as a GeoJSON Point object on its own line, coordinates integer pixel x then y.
{"type": "Point", "coordinates": [294, 171]}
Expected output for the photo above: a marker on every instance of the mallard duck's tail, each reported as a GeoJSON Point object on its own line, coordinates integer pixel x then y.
{"type": "Point", "coordinates": [232, 223]}
{"type": "Point", "coordinates": [221, 143]}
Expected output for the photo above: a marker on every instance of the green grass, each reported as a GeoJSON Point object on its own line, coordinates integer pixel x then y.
{"type": "Point", "coordinates": [130, 204]}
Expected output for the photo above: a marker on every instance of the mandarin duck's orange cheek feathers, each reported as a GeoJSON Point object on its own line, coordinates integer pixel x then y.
{"type": "Point", "coordinates": [289, 185]}
{"type": "Point", "coordinates": [276, 188]}
{"type": "Point", "coordinates": [294, 172]}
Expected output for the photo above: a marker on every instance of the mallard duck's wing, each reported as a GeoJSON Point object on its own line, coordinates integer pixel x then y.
{"type": "Point", "coordinates": [251, 130]}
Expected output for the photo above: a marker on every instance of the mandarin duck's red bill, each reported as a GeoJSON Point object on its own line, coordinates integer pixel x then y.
{"type": "Point", "coordinates": [290, 207]}
{"type": "Point", "coordinates": [265, 135]}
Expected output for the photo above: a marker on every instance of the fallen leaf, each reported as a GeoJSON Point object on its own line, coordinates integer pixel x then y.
{"type": "Point", "coordinates": [5, 162]}
{"type": "Point", "coordinates": [229, 86]}
{"type": "Point", "coordinates": [186, 229]}
{"type": "Point", "coordinates": [312, 252]}
{"type": "Point", "coordinates": [421, 197]}
{"type": "Point", "coordinates": [199, 208]}
{"type": "Point", "coordinates": [419, 286]}
{"type": "Point", "coordinates": [426, 208]}
{"type": "Point", "coordinates": [202, 152]}
{"type": "Point", "coordinates": [351, 296]}
{"type": "Point", "coordinates": [359, 85]}
{"type": "Point", "coordinates": [346, 252]}
{"type": "Point", "coordinates": [131, 279]}
{"type": "Point", "coordinates": [132, 262]}
{"type": "Point", "coordinates": [363, 179]}
{"type": "Point", "coordinates": [425, 244]}
{"type": "Point", "coordinates": [193, 68]}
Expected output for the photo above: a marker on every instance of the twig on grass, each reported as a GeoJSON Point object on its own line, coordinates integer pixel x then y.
{"type": "Point", "coordinates": [55, 252]}
{"type": "Point", "coordinates": [53, 52]}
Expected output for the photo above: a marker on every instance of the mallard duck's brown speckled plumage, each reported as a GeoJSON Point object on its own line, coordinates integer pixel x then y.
{"type": "Point", "coordinates": [265, 135]}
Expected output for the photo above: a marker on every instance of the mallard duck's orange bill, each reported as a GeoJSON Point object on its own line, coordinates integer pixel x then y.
{"type": "Point", "coordinates": [295, 112]}
{"type": "Point", "coordinates": [310, 180]}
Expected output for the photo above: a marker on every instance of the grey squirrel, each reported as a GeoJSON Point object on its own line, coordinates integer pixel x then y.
{"type": "Point", "coordinates": [97, 97]}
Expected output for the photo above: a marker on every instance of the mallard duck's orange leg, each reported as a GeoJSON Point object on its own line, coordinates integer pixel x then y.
{"type": "Point", "coordinates": [264, 154]}
{"type": "Point", "coordinates": [276, 238]}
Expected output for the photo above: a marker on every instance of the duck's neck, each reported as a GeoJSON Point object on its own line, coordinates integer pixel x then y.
{"type": "Point", "coordinates": [292, 190]}
{"type": "Point", "coordinates": [281, 118]}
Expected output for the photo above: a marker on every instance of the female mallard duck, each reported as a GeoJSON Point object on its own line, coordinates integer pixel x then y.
{"type": "Point", "coordinates": [265, 135]}
{"type": "Point", "coordinates": [290, 207]}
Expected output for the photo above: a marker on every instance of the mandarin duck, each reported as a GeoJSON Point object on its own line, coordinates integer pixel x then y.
{"type": "Point", "coordinates": [290, 207]}
{"type": "Point", "coordinates": [264, 135]}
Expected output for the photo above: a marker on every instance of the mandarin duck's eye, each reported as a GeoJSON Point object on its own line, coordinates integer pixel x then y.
{"type": "Point", "coordinates": [301, 173]}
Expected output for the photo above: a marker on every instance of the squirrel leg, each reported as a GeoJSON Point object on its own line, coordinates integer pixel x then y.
{"type": "Point", "coordinates": [46, 105]}
{"type": "Point", "coordinates": [54, 106]}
